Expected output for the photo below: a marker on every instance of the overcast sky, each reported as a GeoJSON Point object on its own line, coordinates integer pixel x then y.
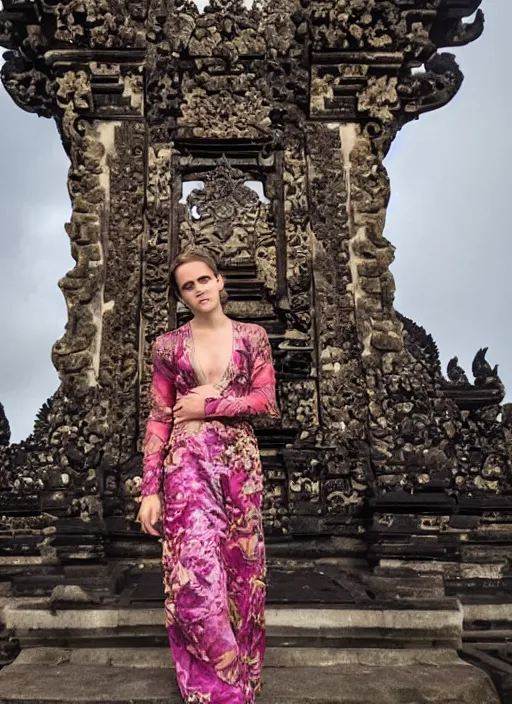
{"type": "Point", "coordinates": [450, 219]}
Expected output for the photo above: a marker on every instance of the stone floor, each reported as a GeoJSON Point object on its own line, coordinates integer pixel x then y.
{"type": "Point", "coordinates": [449, 681]}
{"type": "Point", "coordinates": [333, 637]}
{"type": "Point", "coordinates": [379, 653]}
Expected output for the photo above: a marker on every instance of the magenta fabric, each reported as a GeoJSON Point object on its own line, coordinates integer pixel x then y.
{"type": "Point", "coordinates": [209, 475]}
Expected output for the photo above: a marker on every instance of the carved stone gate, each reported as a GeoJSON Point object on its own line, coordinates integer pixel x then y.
{"type": "Point", "coordinates": [259, 134]}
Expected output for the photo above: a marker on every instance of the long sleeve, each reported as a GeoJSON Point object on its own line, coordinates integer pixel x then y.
{"type": "Point", "coordinates": [261, 399]}
{"type": "Point", "coordinates": [159, 424]}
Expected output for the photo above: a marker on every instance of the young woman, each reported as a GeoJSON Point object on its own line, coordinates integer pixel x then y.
{"type": "Point", "coordinates": [203, 481]}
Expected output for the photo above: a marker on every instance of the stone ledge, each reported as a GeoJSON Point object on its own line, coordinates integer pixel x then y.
{"type": "Point", "coordinates": [20, 615]}
{"type": "Point", "coordinates": [384, 624]}
{"type": "Point", "coordinates": [491, 613]}
{"type": "Point", "coordinates": [343, 684]}
{"type": "Point", "coordinates": [274, 657]}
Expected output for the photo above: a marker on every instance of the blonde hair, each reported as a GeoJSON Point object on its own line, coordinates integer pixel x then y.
{"type": "Point", "coordinates": [195, 255]}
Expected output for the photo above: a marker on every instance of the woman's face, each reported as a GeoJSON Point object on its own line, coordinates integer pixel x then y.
{"type": "Point", "coordinates": [199, 287]}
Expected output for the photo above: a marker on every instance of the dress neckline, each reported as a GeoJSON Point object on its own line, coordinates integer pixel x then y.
{"type": "Point", "coordinates": [196, 367]}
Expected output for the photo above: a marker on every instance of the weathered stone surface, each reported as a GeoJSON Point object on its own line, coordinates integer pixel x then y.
{"type": "Point", "coordinates": [343, 684]}
{"type": "Point", "coordinates": [439, 620]}
{"type": "Point", "coordinates": [154, 658]}
{"type": "Point", "coordinates": [282, 115]}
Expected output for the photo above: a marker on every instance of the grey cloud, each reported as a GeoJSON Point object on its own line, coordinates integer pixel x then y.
{"type": "Point", "coordinates": [34, 254]}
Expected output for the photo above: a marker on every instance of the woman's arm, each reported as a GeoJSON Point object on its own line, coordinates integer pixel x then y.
{"type": "Point", "coordinates": [159, 424]}
{"type": "Point", "coordinates": [261, 399]}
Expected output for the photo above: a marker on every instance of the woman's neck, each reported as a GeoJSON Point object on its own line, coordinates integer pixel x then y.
{"type": "Point", "coordinates": [212, 320]}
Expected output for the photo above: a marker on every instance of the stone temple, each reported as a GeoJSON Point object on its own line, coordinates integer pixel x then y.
{"type": "Point", "coordinates": [260, 134]}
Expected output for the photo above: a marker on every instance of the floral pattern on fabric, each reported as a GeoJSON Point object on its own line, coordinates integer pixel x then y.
{"type": "Point", "coordinates": [209, 475]}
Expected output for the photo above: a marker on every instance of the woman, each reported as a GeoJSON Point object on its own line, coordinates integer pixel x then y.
{"type": "Point", "coordinates": [203, 481]}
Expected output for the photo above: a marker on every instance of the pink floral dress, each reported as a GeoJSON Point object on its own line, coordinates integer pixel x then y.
{"type": "Point", "coordinates": [209, 475]}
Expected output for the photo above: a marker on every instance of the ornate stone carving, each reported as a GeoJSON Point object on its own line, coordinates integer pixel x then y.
{"type": "Point", "coordinates": [456, 374]}
{"type": "Point", "coordinates": [223, 217]}
{"type": "Point", "coordinates": [31, 89]}
{"type": "Point", "coordinates": [97, 23]}
{"type": "Point", "coordinates": [5, 429]}
{"type": "Point", "coordinates": [389, 37]}
{"type": "Point", "coordinates": [305, 98]}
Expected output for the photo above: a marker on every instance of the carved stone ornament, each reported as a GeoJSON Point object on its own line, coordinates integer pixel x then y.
{"type": "Point", "coordinates": [304, 99]}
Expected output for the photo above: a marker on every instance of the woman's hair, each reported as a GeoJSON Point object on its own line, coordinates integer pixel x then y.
{"type": "Point", "coordinates": [195, 255]}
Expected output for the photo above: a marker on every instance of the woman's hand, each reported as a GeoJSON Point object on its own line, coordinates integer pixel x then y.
{"type": "Point", "coordinates": [191, 406]}
{"type": "Point", "coordinates": [150, 514]}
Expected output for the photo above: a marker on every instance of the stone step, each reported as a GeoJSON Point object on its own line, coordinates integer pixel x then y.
{"type": "Point", "coordinates": [485, 616]}
{"type": "Point", "coordinates": [274, 657]}
{"type": "Point", "coordinates": [454, 682]}
{"type": "Point", "coordinates": [496, 635]}
{"type": "Point", "coordinates": [399, 624]}
{"type": "Point", "coordinates": [494, 659]}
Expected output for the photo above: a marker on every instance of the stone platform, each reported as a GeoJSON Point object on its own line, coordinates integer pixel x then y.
{"type": "Point", "coordinates": [401, 652]}
{"type": "Point", "coordinates": [334, 634]}
{"type": "Point", "coordinates": [423, 624]}
{"type": "Point", "coordinates": [355, 678]}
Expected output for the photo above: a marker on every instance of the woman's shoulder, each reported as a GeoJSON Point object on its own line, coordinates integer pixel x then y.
{"type": "Point", "coordinates": [254, 337]}
{"type": "Point", "coordinates": [171, 334]}
{"type": "Point", "coordinates": [167, 339]}
{"type": "Point", "coordinates": [252, 330]}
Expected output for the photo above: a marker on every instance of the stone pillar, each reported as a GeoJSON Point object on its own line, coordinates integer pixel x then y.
{"type": "Point", "coordinates": [343, 395]}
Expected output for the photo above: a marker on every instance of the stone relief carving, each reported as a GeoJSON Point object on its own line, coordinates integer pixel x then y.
{"type": "Point", "coordinates": [305, 98]}
{"type": "Point", "coordinates": [225, 216]}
